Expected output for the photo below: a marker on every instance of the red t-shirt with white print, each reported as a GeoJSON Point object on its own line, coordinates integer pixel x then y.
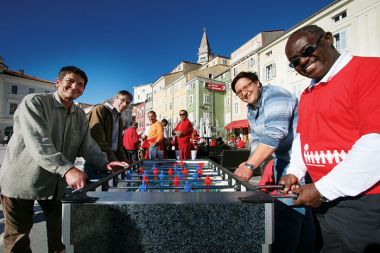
{"type": "Point", "coordinates": [334, 115]}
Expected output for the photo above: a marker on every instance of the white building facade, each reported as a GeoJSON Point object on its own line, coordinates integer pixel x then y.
{"type": "Point", "coordinates": [14, 86]}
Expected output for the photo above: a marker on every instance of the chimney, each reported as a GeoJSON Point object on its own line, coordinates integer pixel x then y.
{"type": "Point", "coordinates": [21, 71]}
{"type": "Point", "coordinates": [2, 65]}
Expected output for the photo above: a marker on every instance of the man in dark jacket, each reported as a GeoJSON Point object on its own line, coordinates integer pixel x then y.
{"type": "Point", "coordinates": [106, 128]}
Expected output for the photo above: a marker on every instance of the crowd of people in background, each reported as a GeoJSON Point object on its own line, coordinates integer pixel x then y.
{"type": "Point", "coordinates": [158, 142]}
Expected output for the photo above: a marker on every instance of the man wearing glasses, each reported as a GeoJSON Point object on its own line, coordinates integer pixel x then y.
{"type": "Point", "coordinates": [338, 141]}
{"type": "Point", "coordinates": [50, 131]}
{"type": "Point", "coordinates": [183, 132]}
{"type": "Point", "coordinates": [106, 127]}
{"type": "Point", "coordinates": [272, 115]}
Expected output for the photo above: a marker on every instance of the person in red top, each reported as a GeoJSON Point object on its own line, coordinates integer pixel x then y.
{"type": "Point", "coordinates": [194, 140]}
{"type": "Point", "coordinates": [213, 142]}
{"type": "Point", "coordinates": [338, 141]}
{"type": "Point", "coordinates": [183, 132]}
{"type": "Point", "coordinates": [131, 142]}
{"type": "Point", "coordinates": [240, 143]}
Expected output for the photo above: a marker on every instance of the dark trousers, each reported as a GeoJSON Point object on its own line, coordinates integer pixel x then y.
{"type": "Point", "coordinates": [18, 214]}
{"type": "Point", "coordinates": [294, 230]}
{"type": "Point", "coordinates": [131, 158]}
{"type": "Point", "coordinates": [94, 172]}
{"type": "Point", "coordinates": [350, 225]}
{"type": "Point", "coordinates": [294, 226]}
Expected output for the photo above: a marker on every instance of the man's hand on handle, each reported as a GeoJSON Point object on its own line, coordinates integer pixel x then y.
{"type": "Point", "coordinates": [115, 165]}
{"type": "Point", "coordinates": [243, 172]}
{"type": "Point", "coordinates": [308, 194]}
{"type": "Point", "coordinates": [76, 178]}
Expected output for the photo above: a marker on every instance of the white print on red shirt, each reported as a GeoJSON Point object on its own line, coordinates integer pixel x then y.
{"type": "Point", "coordinates": [322, 157]}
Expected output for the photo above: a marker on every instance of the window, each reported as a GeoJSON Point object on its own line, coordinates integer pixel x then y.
{"type": "Point", "coordinates": [207, 116]}
{"type": "Point", "coordinates": [252, 60]}
{"type": "Point", "coordinates": [340, 16]}
{"type": "Point", "coordinates": [31, 90]}
{"type": "Point", "coordinates": [235, 71]}
{"type": "Point", "coordinates": [138, 97]}
{"type": "Point", "coordinates": [224, 62]}
{"type": "Point", "coordinates": [227, 101]}
{"type": "Point", "coordinates": [227, 118]}
{"type": "Point", "coordinates": [206, 99]}
{"type": "Point", "coordinates": [236, 107]}
{"type": "Point", "coordinates": [14, 89]}
{"type": "Point", "coordinates": [270, 71]}
{"type": "Point", "coordinates": [12, 108]}
{"type": "Point", "coordinates": [47, 91]}
{"type": "Point", "coordinates": [340, 41]}
{"type": "Point", "coordinates": [191, 100]}
{"type": "Point", "coordinates": [170, 105]}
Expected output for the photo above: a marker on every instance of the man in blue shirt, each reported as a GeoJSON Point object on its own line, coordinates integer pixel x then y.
{"type": "Point", "coordinates": [272, 115]}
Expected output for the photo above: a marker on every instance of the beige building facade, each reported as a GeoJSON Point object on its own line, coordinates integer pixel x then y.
{"type": "Point", "coordinates": [355, 25]}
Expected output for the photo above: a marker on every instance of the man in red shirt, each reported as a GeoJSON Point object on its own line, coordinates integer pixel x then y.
{"type": "Point", "coordinates": [183, 132]}
{"type": "Point", "coordinates": [338, 141]}
{"type": "Point", "coordinates": [131, 142]}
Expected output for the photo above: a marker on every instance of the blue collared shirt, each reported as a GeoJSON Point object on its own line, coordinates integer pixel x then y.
{"type": "Point", "coordinates": [273, 120]}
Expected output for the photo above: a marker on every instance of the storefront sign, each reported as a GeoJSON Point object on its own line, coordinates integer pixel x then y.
{"type": "Point", "coordinates": [215, 86]}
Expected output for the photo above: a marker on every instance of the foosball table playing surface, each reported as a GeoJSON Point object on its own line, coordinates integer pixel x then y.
{"type": "Point", "coordinates": [170, 206]}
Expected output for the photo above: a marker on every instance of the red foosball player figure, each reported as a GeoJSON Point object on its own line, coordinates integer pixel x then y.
{"type": "Point", "coordinates": [181, 163]}
{"type": "Point", "coordinates": [200, 171]}
{"type": "Point", "coordinates": [145, 179]}
{"type": "Point", "coordinates": [185, 171]}
{"type": "Point", "coordinates": [208, 182]}
{"type": "Point", "coordinates": [155, 171]}
{"type": "Point", "coordinates": [141, 171]}
{"type": "Point", "coordinates": [176, 181]}
{"type": "Point", "coordinates": [170, 172]}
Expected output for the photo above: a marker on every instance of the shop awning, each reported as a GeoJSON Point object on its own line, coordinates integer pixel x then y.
{"type": "Point", "coordinates": [237, 124]}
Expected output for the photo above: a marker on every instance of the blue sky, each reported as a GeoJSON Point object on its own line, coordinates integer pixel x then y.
{"type": "Point", "coordinates": [123, 43]}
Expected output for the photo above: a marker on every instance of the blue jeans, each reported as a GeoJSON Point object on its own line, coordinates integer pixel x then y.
{"type": "Point", "coordinates": [153, 152]}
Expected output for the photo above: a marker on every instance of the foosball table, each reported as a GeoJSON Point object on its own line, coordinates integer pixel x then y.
{"type": "Point", "coordinates": [169, 206]}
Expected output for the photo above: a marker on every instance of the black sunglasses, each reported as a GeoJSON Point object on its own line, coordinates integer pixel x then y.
{"type": "Point", "coordinates": [306, 52]}
{"type": "Point", "coordinates": [182, 114]}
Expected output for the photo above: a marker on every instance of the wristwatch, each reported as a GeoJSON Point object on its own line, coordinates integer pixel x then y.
{"type": "Point", "coordinates": [251, 167]}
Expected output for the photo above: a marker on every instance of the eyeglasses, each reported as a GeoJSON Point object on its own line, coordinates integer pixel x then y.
{"type": "Point", "coordinates": [123, 100]}
{"type": "Point", "coordinates": [70, 81]}
{"type": "Point", "coordinates": [306, 52]}
{"type": "Point", "coordinates": [245, 89]}
{"type": "Point", "coordinates": [182, 114]}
